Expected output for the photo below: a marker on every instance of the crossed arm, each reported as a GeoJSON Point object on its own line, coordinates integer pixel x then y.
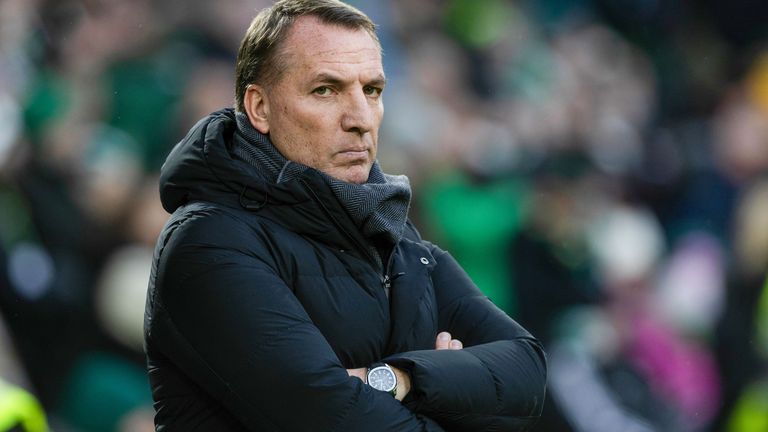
{"type": "Point", "coordinates": [495, 382]}
{"type": "Point", "coordinates": [443, 341]}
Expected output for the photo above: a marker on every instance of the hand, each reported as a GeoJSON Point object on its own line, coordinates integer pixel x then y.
{"type": "Point", "coordinates": [444, 341]}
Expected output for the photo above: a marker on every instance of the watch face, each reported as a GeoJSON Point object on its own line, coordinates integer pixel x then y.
{"type": "Point", "coordinates": [382, 378]}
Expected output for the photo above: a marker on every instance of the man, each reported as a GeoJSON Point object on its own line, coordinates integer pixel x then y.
{"type": "Point", "coordinates": [289, 292]}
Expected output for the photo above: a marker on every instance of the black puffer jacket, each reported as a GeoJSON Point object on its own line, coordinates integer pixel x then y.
{"type": "Point", "coordinates": [262, 295]}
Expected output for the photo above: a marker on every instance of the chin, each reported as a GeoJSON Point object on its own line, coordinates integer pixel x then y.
{"type": "Point", "coordinates": [356, 179]}
{"type": "Point", "coordinates": [358, 175]}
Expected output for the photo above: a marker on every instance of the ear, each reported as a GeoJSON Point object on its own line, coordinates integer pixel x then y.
{"type": "Point", "coordinates": [257, 107]}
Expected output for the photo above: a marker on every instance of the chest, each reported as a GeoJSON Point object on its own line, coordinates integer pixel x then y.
{"type": "Point", "coordinates": [344, 295]}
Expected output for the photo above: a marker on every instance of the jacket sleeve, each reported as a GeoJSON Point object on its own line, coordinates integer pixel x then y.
{"type": "Point", "coordinates": [234, 327]}
{"type": "Point", "coordinates": [496, 383]}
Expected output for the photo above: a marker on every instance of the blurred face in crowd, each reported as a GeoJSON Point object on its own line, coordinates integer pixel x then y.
{"type": "Point", "coordinates": [325, 110]}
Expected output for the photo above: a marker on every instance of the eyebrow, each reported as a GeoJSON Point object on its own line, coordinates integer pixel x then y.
{"type": "Point", "coordinates": [378, 80]}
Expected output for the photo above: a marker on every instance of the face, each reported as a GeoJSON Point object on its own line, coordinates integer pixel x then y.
{"type": "Point", "coordinates": [326, 108]}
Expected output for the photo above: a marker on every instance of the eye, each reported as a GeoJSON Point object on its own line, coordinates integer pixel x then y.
{"type": "Point", "coordinates": [372, 91]}
{"type": "Point", "coordinates": [322, 91]}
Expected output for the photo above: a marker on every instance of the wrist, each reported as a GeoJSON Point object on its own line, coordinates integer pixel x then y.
{"type": "Point", "coordinates": [382, 377]}
{"type": "Point", "coordinates": [403, 383]}
{"type": "Point", "coordinates": [385, 377]}
{"type": "Point", "coordinates": [359, 373]}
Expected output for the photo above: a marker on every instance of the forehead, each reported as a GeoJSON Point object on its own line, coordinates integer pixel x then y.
{"type": "Point", "coordinates": [312, 45]}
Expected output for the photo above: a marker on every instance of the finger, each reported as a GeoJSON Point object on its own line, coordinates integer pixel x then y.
{"type": "Point", "coordinates": [443, 341]}
{"type": "Point", "coordinates": [456, 344]}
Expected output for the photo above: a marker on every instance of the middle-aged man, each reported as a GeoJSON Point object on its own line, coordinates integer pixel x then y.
{"type": "Point", "coordinates": [289, 291]}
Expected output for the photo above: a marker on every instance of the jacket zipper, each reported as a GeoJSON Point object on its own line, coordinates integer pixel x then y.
{"type": "Point", "coordinates": [387, 283]}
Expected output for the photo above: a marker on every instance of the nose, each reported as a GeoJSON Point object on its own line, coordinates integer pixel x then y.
{"type": "Point", "coordinates": [359, 115]}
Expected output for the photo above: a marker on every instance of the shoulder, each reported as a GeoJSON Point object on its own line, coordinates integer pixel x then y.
{"type": "Point", "coordinates": [412, 234]}
{"type": "Point", "coordinates": [202, 235]}
{"type": "Point", "coordinates": [213, 222]}
{"type": "Point", "coordinates": [204, 231]}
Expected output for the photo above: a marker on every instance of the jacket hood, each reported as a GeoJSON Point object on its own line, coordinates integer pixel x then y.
{"type": "Point", "coordinates": [202, 167]}
{"type": "Point", "coordinates": [186, 175]}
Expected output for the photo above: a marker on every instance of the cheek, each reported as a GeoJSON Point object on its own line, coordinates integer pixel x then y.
{"type": "Point", "coordinates": [293, 126]}
{"type": "Point", "coordinates": [309, 118]}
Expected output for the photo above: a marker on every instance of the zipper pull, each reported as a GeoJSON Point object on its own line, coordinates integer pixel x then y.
{"type": "Point", "coordinates": [387, 284]}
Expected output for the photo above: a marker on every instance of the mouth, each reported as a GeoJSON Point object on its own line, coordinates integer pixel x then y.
{"type": "Point", "coordinates": [353, 154]}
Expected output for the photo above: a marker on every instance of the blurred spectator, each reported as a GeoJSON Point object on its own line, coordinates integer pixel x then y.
{"type": "Point", "coordinates": [19, 410]}
{"type": "Point", "coordinates": [608, 161]}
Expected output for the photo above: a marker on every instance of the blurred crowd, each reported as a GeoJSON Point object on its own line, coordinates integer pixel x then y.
{"type": "Point", "coordinates": [599, 167]}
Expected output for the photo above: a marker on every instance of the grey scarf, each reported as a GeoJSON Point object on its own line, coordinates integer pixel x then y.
{"type": "Point", "coordinates": [378, 207]}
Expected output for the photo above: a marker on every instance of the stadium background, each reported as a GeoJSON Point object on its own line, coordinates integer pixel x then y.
{"type": "Point", "coordinates": [598, 166]}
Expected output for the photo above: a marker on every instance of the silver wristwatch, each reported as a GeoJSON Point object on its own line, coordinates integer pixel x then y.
{"type": "Point", "coordinates": [381, 377]}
